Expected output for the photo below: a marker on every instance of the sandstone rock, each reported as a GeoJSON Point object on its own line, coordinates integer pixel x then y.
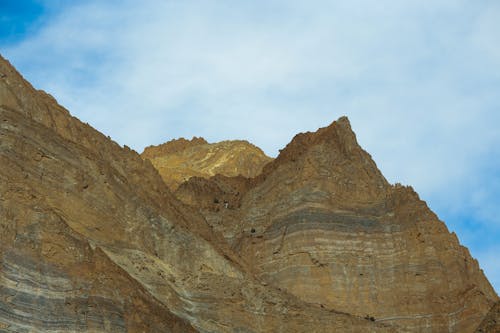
{"type": "Point", "coordinates": [491, 323]}
{"type": "Point", "coordinates": [323, 223]}
{"type": "Point", "coordinates": [317, 240]}
{"type": "Point", "coordinates": [171, 147]}
{"type": "Point", "coordinates": [92, 240]}
{"type": "Point", "coordinates": [179, 160]}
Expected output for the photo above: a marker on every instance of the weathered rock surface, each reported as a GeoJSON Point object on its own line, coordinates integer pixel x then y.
{"type": "Point", "coordinates": [178, 160]}
{"type": "Point", "coordinates": [92, 240]}
{"type": "Point", "coordinates": [491, 323]}
{"type": "Point", "coordinates": [56, 187]}
{"type": "Point", "coordinates": [323, 223]}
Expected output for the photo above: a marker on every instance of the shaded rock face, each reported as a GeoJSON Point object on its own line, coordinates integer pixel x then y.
{"type": "Point", "coordinates": [491, 323]}
{"type": "Point", "coordinates": [92, 240]}
{"type": "Point", "coordinates": [323, 223]}
{"type": "Point", "coordinates": [178, 160]}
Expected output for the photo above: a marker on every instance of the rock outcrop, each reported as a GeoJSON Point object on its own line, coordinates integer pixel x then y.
{"type": "Point", "coordinates": [92, 240]}
{"type": "Point", "coordinates": [491, 323]}
{"type": "Point", "coordinates": [323, 223]}
{"type": "Point", "coordinates": [179, 160]}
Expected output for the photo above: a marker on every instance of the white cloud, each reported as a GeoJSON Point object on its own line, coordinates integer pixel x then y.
{"type": "Point", "coordinates": [419, 80]}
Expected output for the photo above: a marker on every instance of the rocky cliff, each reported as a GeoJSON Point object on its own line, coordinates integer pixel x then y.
{"type": "Point", "coordinates": [93, 240]}
{"type": "Point", "coordinates": [323, 223]}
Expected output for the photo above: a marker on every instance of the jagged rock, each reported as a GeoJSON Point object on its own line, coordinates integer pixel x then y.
{"type": "Point", "coordinates": [178, 160]}
{"type": "Point", "coordinates": [92, 240]}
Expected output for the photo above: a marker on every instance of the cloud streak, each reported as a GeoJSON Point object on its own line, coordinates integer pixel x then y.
{"type": "Point", "coordinates": [419, 82]}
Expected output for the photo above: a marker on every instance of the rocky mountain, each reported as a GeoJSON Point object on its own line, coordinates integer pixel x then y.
{"type": "Point", "coordinates": [323, 223]}
{"type": "Point", "coordinates": [178, 160]}
{"type": "Point", "coordinates": [93, 240]}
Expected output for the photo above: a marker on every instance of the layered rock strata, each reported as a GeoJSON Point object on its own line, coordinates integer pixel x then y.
{"type": "Point", "coordinates": [323, 223]}
{"type": "Point", "coordinates": [92, 240]}
{"type": "Point", "coordinates": [491, 323]}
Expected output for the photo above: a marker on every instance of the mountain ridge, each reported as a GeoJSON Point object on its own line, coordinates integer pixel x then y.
{"type": "Point", "coordinates": [80, 216]}
{"type": "Point", "coordinates": [180, 159]}
{"type": "Point", "coordinates": [324, 183]}
{"type": "Point", "coordinates": [92, 238]}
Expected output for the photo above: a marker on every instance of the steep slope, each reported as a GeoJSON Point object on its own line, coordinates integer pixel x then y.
{"type": "Point", "coordinates": [331, 230]}
{"type": "Point", "coordinates": [92, 240]}
{"type": "Point", "coordinates": [55, 187]}
{"type": "Point", "coordinates": [491, 323]}
{"type": "Point", "coordinates": [323, 223]}
{"type": "Point", "coordinates": [179, 160]}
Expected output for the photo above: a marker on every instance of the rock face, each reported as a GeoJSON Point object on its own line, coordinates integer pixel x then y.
{"type": "Point", "coordinates": [491, 323]}
{"type": "Point", "coordinates": [323, 223]}
{"type": "Point", "coordinates": [55, 276]}
{"type": "Point", "coordinates": [179, 160]}
{"type": "Point", "coordinates": [92, 240]}
{"type": "Point", "coordinates": [330, 229]}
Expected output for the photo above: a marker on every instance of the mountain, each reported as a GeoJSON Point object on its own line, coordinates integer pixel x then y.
{"type": "Point", "coordinates": [92, 239]}
{"type": "Point", "coordinates": [178, 160]}
{"type": "Point", "coordinates": [330, 229]}
{"type": "Point", "coordinates": [323, 223]}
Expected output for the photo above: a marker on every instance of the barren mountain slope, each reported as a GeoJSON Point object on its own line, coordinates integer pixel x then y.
{"type": "Point", "coordinates": [179, 160]}
{"type": "Point", "coordinates": [323, 223]}
{"type": "Point", "coordinates": [92, 240]}
{"type": "Point", "coordinates": [491, 323]}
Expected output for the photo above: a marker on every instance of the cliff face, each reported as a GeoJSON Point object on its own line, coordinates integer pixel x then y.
{"type": "Point", "coordinates": [491, 323]}
{"type": "Point", "coordinates": [64, 191]}
{"type": "Point", "coordinates": [322, 223]}
{"type": "Point", "coordinates": [179, 160]}
{"type": "Point", "coordinates": [92, 240]}
{"type": "Point", "coordinates": [330, 229]}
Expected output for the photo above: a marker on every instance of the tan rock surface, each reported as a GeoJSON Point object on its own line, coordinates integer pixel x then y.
{"type": "Point", "coordinates": [92, 240]}
{"type": "Point", "coordinates": [491, 323]}
{"type": "Point", "coordinates": [323, 223]}
{"type": "Point", "coordinates": [178, 160]}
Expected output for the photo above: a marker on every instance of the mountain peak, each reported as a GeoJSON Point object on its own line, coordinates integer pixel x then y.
{"type": "Point", "coordinates": [332, 151]}
{"type": "Point", "coordinates": [172, 146]}
{"type": "Point", "coordinates": [319, 243]}
{"type": "Point", "coordinates": [179, 160]}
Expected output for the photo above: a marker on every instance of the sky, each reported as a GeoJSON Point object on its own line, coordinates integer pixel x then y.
{"type": "Point", "coordinates": [419, 81]}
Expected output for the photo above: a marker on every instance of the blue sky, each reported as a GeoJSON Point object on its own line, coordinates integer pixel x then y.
{"type": "Point", "coordinates": [419, 80]}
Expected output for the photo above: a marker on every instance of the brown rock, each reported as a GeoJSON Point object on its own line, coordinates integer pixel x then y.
{"type": "Point", "coordinates": [179, 160]}
{"type": "Point", "coordinates": [323, 223]}
{"type": "Point", "coordinates": [491, 323]}
{"type": "Point", "coordinates": [171, 147]}
{"type": "Point", "coordinates": [92, 240]}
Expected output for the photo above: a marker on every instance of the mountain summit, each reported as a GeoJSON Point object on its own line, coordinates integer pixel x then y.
{"type": "Point", "coordinates": [199, 237]}
{"type": "Point", "coordinates": [178, 160]}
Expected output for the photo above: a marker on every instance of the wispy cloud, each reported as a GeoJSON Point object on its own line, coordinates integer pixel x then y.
{"type": "Point", "coordinates": [419, 81]}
